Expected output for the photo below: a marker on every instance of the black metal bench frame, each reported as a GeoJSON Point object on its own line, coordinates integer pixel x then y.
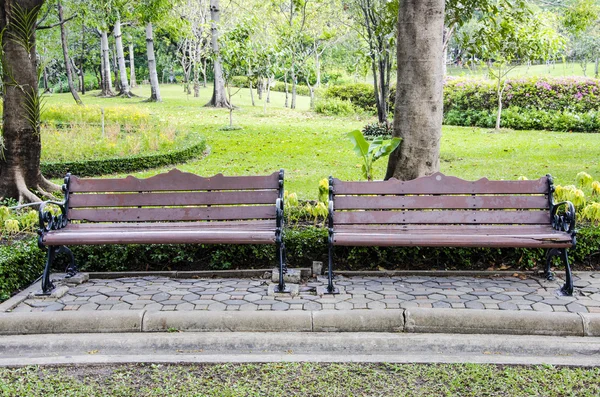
{"type": "Point", "coordinates": [203, 220]}
{"type": "Point", "coordinates": [554, 231]}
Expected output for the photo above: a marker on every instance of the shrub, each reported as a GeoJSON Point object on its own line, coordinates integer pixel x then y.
{"type": "Point", "coordinates": [300, 88]}
{"type": "Point", "coordinates": [378, 129]}
{"type": "Point", "coordinates": [21, 262]}
{"type": "Point", "coordinates": [361, 95]}
{"type": "Point", "coordinates": [68, 114]}
{"type": "Point", "coordinates": [334, 107]}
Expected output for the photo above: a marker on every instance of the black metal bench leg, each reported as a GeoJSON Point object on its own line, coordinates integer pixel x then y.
{"type": "Point", "coordinates": [552, 252]}
{"type": "Point", "coordinates": [71, 269]}
{"type": "Point", "coordinates": [282, 267]}
{"type": "Point", "coordinates": [567, 289]}
{"type": "Point", "coordinates": [47, 284]}
{"type": "Point", "coordinates": [330, 287]}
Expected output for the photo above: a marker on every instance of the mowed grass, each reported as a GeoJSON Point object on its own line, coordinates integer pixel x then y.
{"type": "Point", "coordinates": [558, 69]}
{"type": "Point", "coordinates": [310, 146]}
{"type": "Point", "coordinates": [301, 379]}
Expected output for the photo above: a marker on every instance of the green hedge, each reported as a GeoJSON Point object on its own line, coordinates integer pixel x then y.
{"type": "Point", "coordinates": [22, 261]}
{"type": "Point", "coordinates": [527, 119]}
{"type": "Point", "coordinates": [361, 95]}
{"type": "Point", "coordinates": [122, 164]}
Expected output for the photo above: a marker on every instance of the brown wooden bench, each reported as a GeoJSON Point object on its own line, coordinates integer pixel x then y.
{"type": "Point", "coordinates": [445, 211]}
{"type": "Point", "coordinates": [170, 208]}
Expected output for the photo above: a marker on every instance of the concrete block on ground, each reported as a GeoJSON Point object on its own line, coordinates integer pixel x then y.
{"type": "Point", "coordinates": [206, 321]}
{"type": "Point", "coordinates": [291, 276]}
{"type": "Point", "coordinates": [56, 293]}
{"type": "Point", "coordinates": [71, 322]}
{"type": "Point", "coordinates": [294, 290]}
{"type": "Point", "coordinates": [358, 320]}
{"type": "Point", "coordinates": [317, 268]}
{"type": "Point", "coordinates": [322, 290]}
{"type": "Point", "coordinates": [77, 279]}
{"type": "Point", "coordinates": [456, 321]}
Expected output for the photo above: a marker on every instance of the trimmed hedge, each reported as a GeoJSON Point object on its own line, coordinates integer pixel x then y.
{"type": "Point", "coordinates": [122, 164]}
{"type": "Point", "coordinates": [527, 119]}
{"type": "Point", "coordinates": [22, 261]}
{"type": "Point", "coordinates": [361, 95]}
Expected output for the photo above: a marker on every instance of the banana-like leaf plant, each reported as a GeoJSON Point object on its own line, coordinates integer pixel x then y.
{"type": "Point", "coordinates": [371, 152]}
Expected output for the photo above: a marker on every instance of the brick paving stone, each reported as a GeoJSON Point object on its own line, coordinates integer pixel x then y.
{"type": "Point", "coordinates": [360, 306]}
{"type": "Point", "coordinates": [437, 296]}
{"type": "Point", "coordinates": [168, 308]}
{"type": "Point", "coordinates": [121, 306]}
{"type": "Point", "coordinates": [507, 306]}
{"type": "Point", "coordinates": [233, 302]}
{"type": "Point", "coordinates": [88, 307]}
{"type": "Point", "coordinates": [376, 305]}
{"type": "Point", "coordinates": [280, 306]}
{"type": "Point", "coordinates": [542, 307]}
{"type": "Point", "coordinates": [44, 303]}
{"type": "Point", "coordinates": [252, 297]}
{"type": "Point", "coordinates": [344, 306]}
{"type": "Point", "coordinates": [54, 307]}
{"type": "Point", "coordinates": [409, 304]}
{"type": "Point", "coordinates": [328, 306]}
{"type": "Point", "coordinates": [312, 306]}
{"type": "Point", "coordinates": [533, 297]}
{"type": "Point", "coordinates": [525, 307]}
{"type": "Point", "coordinates": [576, 308]}
{"type": "Point", "coordinates": [441, 304]}
{"type": "Point", "coordinates": [474, 305]}
{"type": "Point", "coordinates": [491, 306]}
{"type": "Point", "coordinates": [221, 297]}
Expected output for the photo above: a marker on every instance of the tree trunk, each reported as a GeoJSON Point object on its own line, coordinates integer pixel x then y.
{"type": "Point", "coordinates": [65, 50]}
{"type": "Point", "coordinates": [596, 66]}
{"type": "Point", "coordinates": [81, 62]}
{"type": "Point", "coordinates": [268, 100]}
{"type": "Point", "coordinates": [115, 69]}
{"type": "Point", "coordinates": [20, 159]}
{"type": "Point", "coordinates": [259, 88]}
{"type": "Point", "coordinates": [251, 92]}
{"type": "Point", "coordinates": [293, 106]}
{"type": "Point", "coordinates": [312, 94]}
{"type": "Point", "coordinates": [124, 87]}
{"type": "Point", "coordinates": [318, 68]}
{"type": "Point", "coordinates": [500, 91]}
{"type": "Point", "coordinates": [107, 89]}
{"type": "Point", "coordinates": [46, 88]}
{"type": "Point", "coordinates": [219, 98]}
{"type": "Point", "coordinates": [154, 88]}
{"type": "Point", "coordinates": [286, 89]}
{"type": "Point", "coordinates": [132, 80]}
{"type": "Point", "coordinates": [204, 72]}
{"type": "Point", "coordinates": [419, 104]}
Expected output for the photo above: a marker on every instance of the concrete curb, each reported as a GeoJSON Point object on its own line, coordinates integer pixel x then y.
{"type": "Point", "coordinates": [454, 321]}
{"type": "Point", "coordinates": [71, 322]}
{"type": "Point", "coordinates": [416, 320]}
{"type": "Point", "coordinates": [207, 321]}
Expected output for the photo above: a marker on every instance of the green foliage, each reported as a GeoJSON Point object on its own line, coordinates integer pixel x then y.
{"type": "Point", "coordinates": [61, 114]}
{"type": "Point", "coordinates": [334, 107]}
{"type": "Point", "coordinates": [370, 153]}
{"type": "Point", "coordinates": [591, 212]}
{"type": "Point", "coordinates": [14, 222]}
{"type": "Point", "coordinates": [378, 129]}
{"type": "Point", "coordinates": [300, 88]}
{"type": "Point", "coordinates": [570, 193]}
{"type": "Point", "coordinates": [123, 164]}
{"type": "Point", "coordinates": [21, 262]}
{"type": "Point", "coordinates": [584, 179]}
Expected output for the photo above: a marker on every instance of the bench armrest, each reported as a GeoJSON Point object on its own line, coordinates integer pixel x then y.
{"type": "Point", "coordinates": [330, 216]}
{"type": "Point", "coordinates": [564, 222]}
{"type": "Point", "coordinates": [279, 208]}
{"type": "Point", "coordinates": [49, 221]}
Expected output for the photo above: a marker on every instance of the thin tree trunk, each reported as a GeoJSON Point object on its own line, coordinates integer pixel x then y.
{"type": "Point", "coordinates": [286, 89]}
{"type": "Point", "coordinates": [268, 100]}
{"type": "Point", "coordinates": [65, 48]}
{"type": "Point", "coordinates": [219, 98]}
{"type": "Point", "coordinates": [124, 87]}
{"type": "Point", "coordinates": [500, 91]}
{"type": "Point", "coordinates": [251, 92]}
{"type": "Point", "coordinates": [154, 88]}
{"type": "Point", "coordinates": [596, 67]}
{"type": "Point", "coordinates": [259, 88]}
{"type": "Point", "coordinates": [312, 94]}
{"type": "Point", "coordinates": [132, 79]}
{"type": "Point", "coordinates": [293, 106]}
{"type": "Point", "coordinates": [20, 159]}
{"type": "Point", "coordinates": [107, 89]}
{"type": "Point", "coordinates": [46, 89]}
{"type": "Point", "coordinates": [376, 89]}
{"type": "Point", "coordinates": [81, 61]}
{"type": "Point", "coordinates": [204, 71]}
{"type": "Point", "coordinates": [318, 68]}
{"type": "Point", "coordinates": [419, 102]}
{"type": "Point", "coordinates": [115, 68]}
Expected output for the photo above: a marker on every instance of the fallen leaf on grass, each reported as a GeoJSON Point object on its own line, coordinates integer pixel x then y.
{"type": "Point", "coordinates": [93, 351]}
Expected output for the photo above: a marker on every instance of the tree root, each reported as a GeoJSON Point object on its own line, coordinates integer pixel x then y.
{"type": "Point", "coordinates": [45, 184]}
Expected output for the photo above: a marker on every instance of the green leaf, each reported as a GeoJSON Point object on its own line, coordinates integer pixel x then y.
{"type": "Point", "coordinates": [387, 148]}
{"type": "Point", "coordinates": [361, 146]}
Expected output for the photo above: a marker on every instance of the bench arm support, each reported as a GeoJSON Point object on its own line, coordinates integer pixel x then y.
{"type": "Point", "coordinates": [49, 221]}
{"type": "Point", "coordinates": [564, 222]}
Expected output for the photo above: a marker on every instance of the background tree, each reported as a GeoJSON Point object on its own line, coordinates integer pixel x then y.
{"type": "Point", "coordinates": [219, 98]}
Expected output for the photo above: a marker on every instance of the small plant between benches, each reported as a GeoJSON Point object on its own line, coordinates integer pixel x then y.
{"type": "Point", "coordinates": [445, 211]}
{"type": "Point", "coordinates": [170, 208]}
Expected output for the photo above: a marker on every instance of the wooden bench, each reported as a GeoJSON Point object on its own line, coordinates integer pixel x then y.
{"type": "Point", "coordinates": [170, 208]}
{"type": "Point", "coordinates": [445, 211]}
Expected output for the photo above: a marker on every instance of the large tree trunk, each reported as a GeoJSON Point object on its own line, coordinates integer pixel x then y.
{"type": "Point", "coordinates": [65, 48]}
{"type": "Point", "coordinates": [219, 97]}
{"type": "Point", "coordinates": [154, 88]}
{"type": "Point", "coordinates": [124, 86]}
{"type": "Point", "coordinates": [132, 79]}
{"type": "Point", "coordinates": [20, 160]}
{"type": "Point", "coordinates": [419, 104]}
{"type": "Point", "coordinates": [107, 89]}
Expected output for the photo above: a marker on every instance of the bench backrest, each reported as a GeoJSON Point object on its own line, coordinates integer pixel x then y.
{"type": "Point", "coordinates": [441, 199]}
{"type": "Point", "coordinates": [174, 196]}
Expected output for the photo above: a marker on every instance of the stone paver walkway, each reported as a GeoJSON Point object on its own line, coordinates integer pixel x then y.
{"type": "Point", "coordinates": [161, 293]}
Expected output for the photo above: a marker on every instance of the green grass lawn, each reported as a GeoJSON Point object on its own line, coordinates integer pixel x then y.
{"type": "Point", "coordinates": [301, 379]}
{"type": "Point", "coordinates": [310, 146]}
{"type": "Point", "coordinates": [556, 70]}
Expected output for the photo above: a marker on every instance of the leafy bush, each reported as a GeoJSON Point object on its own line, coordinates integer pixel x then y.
{"type": "Point", "coordinates": [334, 107]}
{"type": "Point", "coordinates": [378, 129]}
{"type": "Point", "coordinates": [69, 114]}
{"type": "Point", "coordinates": [527, 119]}
{"type": "Point", "coordinates": [300, 88]}
{"type": "Point", "coordinates": [21, 262]}
{"type": "Point", "coordinates": [361, 95]}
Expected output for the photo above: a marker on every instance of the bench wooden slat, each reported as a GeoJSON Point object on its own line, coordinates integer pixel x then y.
{"type": "Point", "coordinates": [175, 180]}
{"type": "Point", "coordinates": [193, 225]}
{"type": "Point", "coordinates": [151, 236]}
{"type": "Point", "coordinates": [560, 240]}
{"type": "Point", "coordinates": [173, 214]}
{"type": "Point", "coordinates": [487, 230]}
{"type": "Point", "coordinates": [441, 184]}
{"type": "Point", "coordinates": [442, 217]}
{"type": "Point", "coordinates": [173, 199]}
{"type": "Point", "coordinates": [445, 202]}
